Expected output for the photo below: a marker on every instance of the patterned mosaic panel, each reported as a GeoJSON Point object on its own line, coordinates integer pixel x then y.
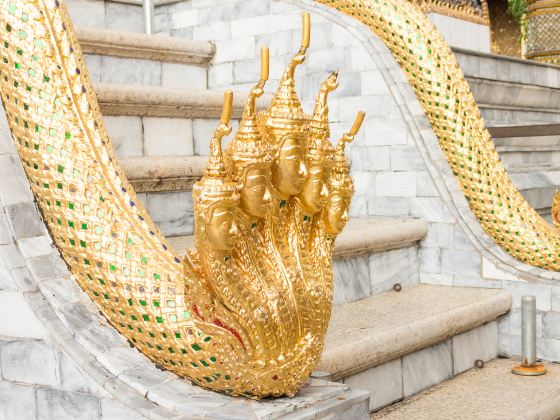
{"type": "Point", "coordinates": [543, 31]}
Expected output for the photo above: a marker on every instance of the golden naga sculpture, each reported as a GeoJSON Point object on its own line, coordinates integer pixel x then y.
{"type": "Point", "coordinates": [246, 312]}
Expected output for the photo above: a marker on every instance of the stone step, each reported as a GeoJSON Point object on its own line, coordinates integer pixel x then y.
{"type": "Point", "coordinates": [106, 42]}
{"type": "Point", "coordinates": [413, 339]}
{"type": "Point", "coordinates": [512, 91]}
{"type": "Point", "coordinates": [518, 157]}
{"type": "Point", "coordinates": [371, 255]}
{"type": "Point", "coordinates": [154, 101]}
{"type": "Point", "coordinates": [149, 60]}
{"type": "Point", "coordinates": [489, 393]}
{"type": "Point", "coordinates": [538, 187]}
{"type": "Point", "coordinates": [117, 15]}
{"type": "Point", "coordinates": [155, 121]}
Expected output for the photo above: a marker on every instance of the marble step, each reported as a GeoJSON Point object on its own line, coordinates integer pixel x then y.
{"type": "Point", "coordinates": [154, 101]}
{"type": "Point", "coordinates": [371, 255]}
{"type": "Point", "coordinates": [538, 187]}
{"type": "Point", "coordinates": [533, 156]}
{"type": "Point", "coordinates": [489, 393]}
{"type": "Point", "coordinates": [156, 122]}
{"type": "Point", "coordinates": [512, 91]}
{"type": "Point", "coordinates": [116, 15]}
{"type": "Point", "coordinates": [397, 344]}
{"type": "Point", "coordinates": [130, 58]}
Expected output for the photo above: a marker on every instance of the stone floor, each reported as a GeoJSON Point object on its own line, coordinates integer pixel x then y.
{"type": "Point", "coordinates": [489, 393]}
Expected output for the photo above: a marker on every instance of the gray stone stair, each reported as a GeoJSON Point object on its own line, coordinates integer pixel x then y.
{"type": "Point", "coordinates": [510, 91]}
{"type": "Point", "coordinates": [489, 393]}
{"type": "Point", "coordinates": [124, 57]}
{"type": "Point", "coordinates": [531, 154]}
{"type": "Point", "coordinates": [404, 342]}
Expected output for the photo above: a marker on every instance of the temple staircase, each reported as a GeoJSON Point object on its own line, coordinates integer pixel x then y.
{"type": "Point", "coordinates": [386, 328]}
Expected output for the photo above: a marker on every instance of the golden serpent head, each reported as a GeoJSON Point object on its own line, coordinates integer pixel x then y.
{"type": "Point", "coordinates": [249, 154]}
{"type": "Point", "coordinates": [320, 153]}
{"type": "Point", "coordinates": [341, 186]}
{"type": "Point", "coordinates": [215, 197]}
{"type": "Point", "coordinates": [287, 127]}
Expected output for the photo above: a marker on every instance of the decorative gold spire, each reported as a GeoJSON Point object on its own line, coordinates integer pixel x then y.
{"type": "Point", "coordinates": [341, 173]}
{"type": "Point", "coordinates": [285, 113]}
{"type": "Point", "coordinates": [320, 150]}
{"type": "Point", "coordinates": [214, 187]}
{"type": "Point", "coordinates": [556, 209]}
{"type": "Point", "coordinates": [250, 145]}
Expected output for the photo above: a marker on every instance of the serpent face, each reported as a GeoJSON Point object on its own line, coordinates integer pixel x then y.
{"type": "Point", "coordinates": [255, 194]}
{"type": "Point", "coordinates": [336, 212]}
{"type": "Point", "coordinates": [289, 170]}
{"type": "Point", "coordinates": [221, 229]}
{"type": "Point", "coordinates": [315, 192]}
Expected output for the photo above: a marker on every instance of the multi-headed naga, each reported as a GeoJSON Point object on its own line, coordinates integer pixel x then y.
{"type": "Point", "coordinates": [246, 311]}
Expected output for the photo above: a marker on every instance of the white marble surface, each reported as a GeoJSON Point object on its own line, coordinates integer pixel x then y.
{"type": "Point", "coordinates": [125, 134]}
{"type": "Point", "coordinates": [385, 383]}
{"type": "Point", "coordinates": [30, 362]}
{"type": "Point", "coordinates": [427, 367]}
{"type": "Point", "coordinates": [351, 280]}
{"type": "Point", "coordinates": [168, 137]}
{"type": "Point", "coordinates": [478, 344]}
{"type": "Point", "coordinates": [172, 212]}
{"type": "Point", "coordinates": [389, 268]}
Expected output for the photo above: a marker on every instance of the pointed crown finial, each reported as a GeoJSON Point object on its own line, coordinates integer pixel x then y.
{"type": "Point", "coordinates": [285, 111]}
{"type": "Point", "coordinates": [215, 187]}
{"type": "Point", "coordinates": [319, 147]}
{"type": "Point", "coordinates": [250, 145]}
{"type": "Point", "coordinates": [341, 173]}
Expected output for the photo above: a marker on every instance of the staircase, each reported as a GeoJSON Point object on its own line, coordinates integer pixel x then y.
{"type": "Point", "coordinates": [531, 154]}
{"type": "Point", "coordinates": [153, 94]}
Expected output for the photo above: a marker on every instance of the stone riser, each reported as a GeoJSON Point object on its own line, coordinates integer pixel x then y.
{"type": "Point", "coordinates": [530, 158]}
{"type": "Point", "coordinates": [415, 372]}
{"type": "Point", "coordinates": [134, 71]}
{"type": "Point", "coordinates": [527, 141]}
{"type": "Point", "coordinates": [106, 14]}
{"type": "Point", "coordinates": [157, 136]}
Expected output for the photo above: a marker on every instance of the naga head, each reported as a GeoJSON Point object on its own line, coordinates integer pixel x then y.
{"type": "Point", "coordinates": [320, 153]}
{"type": "Point", "coordinates": [215, 197]}
{"type": "Point", "coordinates": [287, 126]}
{"type": "Point", "coordinates": [341, 186]}
{"type": "Point", "coordinates": [249, 154]}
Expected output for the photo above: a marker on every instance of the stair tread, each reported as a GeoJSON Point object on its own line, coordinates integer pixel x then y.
{"type": "Point", "coordinates": [156, 101]}
{"type": "Point", "coordinates": [361, 236]}
{"type": "Point", "coordinates": [143, 46]}
{"type": "Point", "coordinates": [492, 392]}
{"type": "Point", "coordinates": [393, 324]}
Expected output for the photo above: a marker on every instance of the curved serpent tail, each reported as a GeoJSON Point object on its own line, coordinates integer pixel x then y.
{"type": "Point", "coordinates": [440, 86]}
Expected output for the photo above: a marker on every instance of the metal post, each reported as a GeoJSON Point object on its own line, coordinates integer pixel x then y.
{"type": "Point", "coordinates": [149, 19]}
{"type": "Point", "coordinates": [529, 366]}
